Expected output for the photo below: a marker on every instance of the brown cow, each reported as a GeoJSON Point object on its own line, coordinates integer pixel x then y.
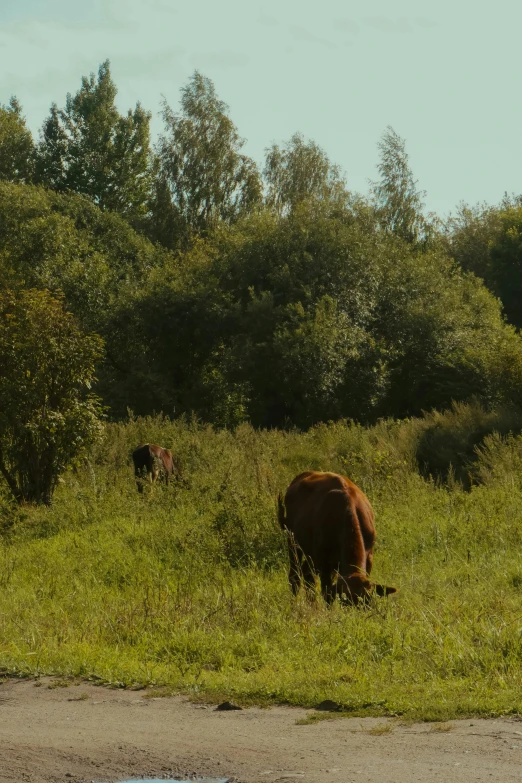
{"type": "Point", "coordinates": [155, 461]}
{"type": "Point", "coordinates": [329, 523]}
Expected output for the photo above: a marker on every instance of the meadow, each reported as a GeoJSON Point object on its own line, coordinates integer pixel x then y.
{"type": "Point", "coordinates": [185, 587]}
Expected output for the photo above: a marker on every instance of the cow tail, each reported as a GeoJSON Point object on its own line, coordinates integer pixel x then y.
{"type": "Point", "coordinates": [281, 511]}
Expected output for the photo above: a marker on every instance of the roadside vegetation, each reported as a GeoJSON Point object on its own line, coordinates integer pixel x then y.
{"type": "Point", "coordinates": [186, 588]}
{"type": "Point", "coordinates": [258, 321]}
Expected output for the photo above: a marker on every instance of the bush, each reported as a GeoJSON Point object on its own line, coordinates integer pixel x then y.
{"type": "Point", "coordinates": [47, 415]}
{"type": "Point", "coordinates": [448, 442]}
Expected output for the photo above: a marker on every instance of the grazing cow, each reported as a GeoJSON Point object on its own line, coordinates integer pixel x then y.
{"type": "Point", "coordinates": [329, 523]}
{"type": "Point", "coordinates": [155, 461]}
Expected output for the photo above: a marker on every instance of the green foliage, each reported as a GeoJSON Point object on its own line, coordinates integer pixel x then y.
{"type": "Point", "coordinates": [46, 418]}
{"type": "Point", "coordinates": [451, 444]}
{"type": "Point", "coordinates": [350, 323]}
{"type": "Point", "coordinates": [298, 172]}
{"type": "Point", "coordinates": [498, 461]}
{"type": "Point", "coordinates": [470, 233]}
{"type": "Point", "coordinates": [399, 203]}
{"type": "Point", "coordinates": [201, 164]}
{"type": "Point", "coordinates": [165, 223]}
{"type": "Point", "coordinates": [505, 252]}
{"type": "Point", "coordinates": [486, 240]}
{"type": "Point", "coordinates": [16, 145]}
{"type": "Point", "coordinates": [313, 306]}
{"type": "Point", "coordinates": [63, 242]}
{"type": "Point", "coordinates": [186, 587]}
{"type": "Point", "coordinates": [313, 317]}
{"type": "Point", "coordinates": [89, 148]}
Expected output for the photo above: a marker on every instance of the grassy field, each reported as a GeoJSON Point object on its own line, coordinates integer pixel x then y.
{"type": "Point", "coordinates": [185, 587]}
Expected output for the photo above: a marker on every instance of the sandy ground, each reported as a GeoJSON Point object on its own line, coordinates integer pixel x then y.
{"type": "Point", "coordinates": [85, 733]}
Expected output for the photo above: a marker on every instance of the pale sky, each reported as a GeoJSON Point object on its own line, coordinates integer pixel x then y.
{"type": "Point", "coordinates": [445, 75]}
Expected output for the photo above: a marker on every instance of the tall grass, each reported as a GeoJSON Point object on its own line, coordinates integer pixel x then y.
{"type": "Point", "coordinates": [186, 586]}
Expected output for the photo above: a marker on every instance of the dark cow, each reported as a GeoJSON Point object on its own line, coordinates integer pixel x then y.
{"type": "Point", "coordinates": [329, 523]}
{"type": "Point", "coordinates": [153, 460]}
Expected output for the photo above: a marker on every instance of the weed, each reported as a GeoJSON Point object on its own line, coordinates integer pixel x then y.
{"type": "Point", "coordinates": [317, 717]}
{"type": "Point", "coordinates": [380, 729]}
{"type": "Point", "coordinates": [59, 684]}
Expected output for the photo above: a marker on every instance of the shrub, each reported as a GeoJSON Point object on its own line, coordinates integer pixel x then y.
{"type": "Point", "coordinates": [46, 417]}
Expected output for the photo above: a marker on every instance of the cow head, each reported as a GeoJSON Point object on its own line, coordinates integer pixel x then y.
{"type": "Point", "coordinates": [358, 588]}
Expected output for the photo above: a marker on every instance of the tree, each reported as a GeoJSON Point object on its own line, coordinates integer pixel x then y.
{"type": "Point", "coordinates": [487, 240]}
{"type": "Point", "coordinates": [353, 323]}
{"type": "Point", "coordinates": [165, 223]}
{"type": "Point", "coordinates": [201, 164]}
{"type": "Point", "coordinates": [470, 233]}
{"type": "Point", "coordinates": [63, 242]}
{"type": "Point", "coordinates": [16, 145]}
{"type": "Point", "coordinates": [308, 318]}
{"type": "Point", "coordinates": [298, 171]}
{"type": "Point", "coordinates": [399, 203]}
{"type": "Point", "coordinates": [89, 148]}
{"type": "Point", "coordinates": [505, 253]}
{"type": "Point", "coordinates": [47, 413]}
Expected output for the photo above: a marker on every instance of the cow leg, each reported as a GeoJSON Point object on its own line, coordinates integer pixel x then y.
{"type": "Point", "coordinates": [308, 576]}
{"type": "Point", "coordinates": [328, 590]}
{"type": "Point", "coordinates": [369, 561]}
{"type": "Point", "coordinates": [138, 475]}
{"type": "Point", "coordinates": [294, 575]}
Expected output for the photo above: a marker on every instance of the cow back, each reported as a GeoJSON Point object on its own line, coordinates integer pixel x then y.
{"type": "Point", "coordinates": [331, 520]}
{"type": "Point", "coordinates": [149, 454]}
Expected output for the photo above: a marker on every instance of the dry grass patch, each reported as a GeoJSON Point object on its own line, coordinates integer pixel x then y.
{"type": "Point", "coordinates": [317, 717]}
{"type": "Point", "coordinates": [59, 684]}
{"type": "Point", "coordinates": [380, 729]}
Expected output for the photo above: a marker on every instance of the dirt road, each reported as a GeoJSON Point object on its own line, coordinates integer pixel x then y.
{"type": "Point", "coordinates": [84, 733]}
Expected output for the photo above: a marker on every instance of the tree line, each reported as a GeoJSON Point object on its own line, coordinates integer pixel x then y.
{"type": "Point", "coordinates": [196, 177]}
{"type": "Point", "coordinates": [277, 296]}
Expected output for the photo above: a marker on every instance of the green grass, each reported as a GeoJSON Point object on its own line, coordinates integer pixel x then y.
{"type": "Point", "coordinates": [185, 588]}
